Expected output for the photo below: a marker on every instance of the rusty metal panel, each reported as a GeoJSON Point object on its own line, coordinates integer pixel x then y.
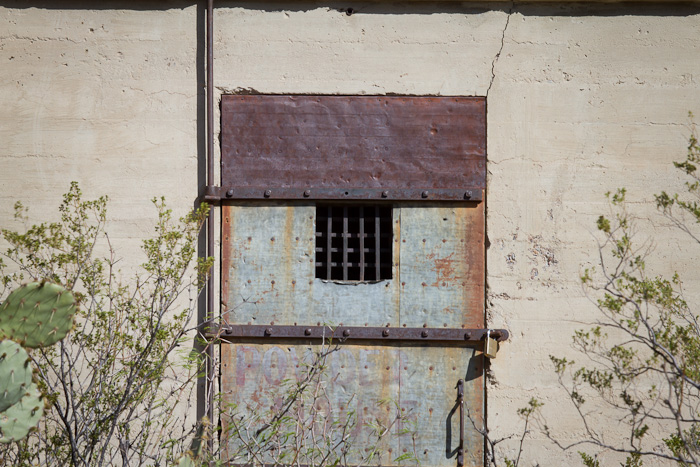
{"type": "Point", "coordinates": [420, 380]}
{"type": "Point", "coordinates": [441, 268]}
{"type": "Point", "coordinates": [322, 146]}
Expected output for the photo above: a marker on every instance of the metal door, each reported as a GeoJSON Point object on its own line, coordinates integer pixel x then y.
{"type": "Point", "coordinates": [409, 339]}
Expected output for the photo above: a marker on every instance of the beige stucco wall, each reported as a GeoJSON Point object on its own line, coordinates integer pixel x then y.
{"type": "Point", "coordinates": [582, 99]}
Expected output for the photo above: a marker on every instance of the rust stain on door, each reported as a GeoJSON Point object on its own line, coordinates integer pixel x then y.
{"type": "Point", "coordinates": [445, 270]}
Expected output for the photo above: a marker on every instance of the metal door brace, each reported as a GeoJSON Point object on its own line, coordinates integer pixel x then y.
{"type": "Point", "coordinates": [230, 332]}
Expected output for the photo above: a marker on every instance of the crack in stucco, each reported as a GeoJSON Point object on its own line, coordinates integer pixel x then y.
{"type": "Point", "coordinates": [498, 54]}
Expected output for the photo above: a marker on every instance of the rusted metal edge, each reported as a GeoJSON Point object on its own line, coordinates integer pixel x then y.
{"type": "Point", "coordinates": [215, 194]}
{"type": "Point", "coordinates": [352, 333]}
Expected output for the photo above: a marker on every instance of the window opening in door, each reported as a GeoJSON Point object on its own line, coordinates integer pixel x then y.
{"type": "Point", "coordinates": [354, 242]}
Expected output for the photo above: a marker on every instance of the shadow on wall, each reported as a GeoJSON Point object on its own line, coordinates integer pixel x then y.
{"type": "Point", "coordinates": [563, 8]}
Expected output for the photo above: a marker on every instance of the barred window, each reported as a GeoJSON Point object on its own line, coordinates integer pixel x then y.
{"type": "Point", "coordinates": [353, 242]}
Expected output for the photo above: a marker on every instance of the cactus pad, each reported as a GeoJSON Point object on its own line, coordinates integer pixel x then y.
{"type": "Point", "coordinates": [15, 373]}
{"type": "Point", "coordinates": [19, 419]}
{"type": "Point", "coordinates": [37, 314]}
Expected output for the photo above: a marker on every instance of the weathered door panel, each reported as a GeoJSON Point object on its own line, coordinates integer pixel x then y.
{"type": "Point", "coordinates": [429, 376]}
{"type": "Point", "coordinates": [438, 255]}
{"type": "Point", "coordinates": [372, 382]}
{"type": "Point", "coordinates": [441, 272]}
{"type": "Point", "coordinates": [268, 273]}
{"type": "Point", "coordinates": [269, 254]}
{"type": "Point", "coordinates": [329, 144]}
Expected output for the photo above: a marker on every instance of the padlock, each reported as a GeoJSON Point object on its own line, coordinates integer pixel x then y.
{"type": "Point", "coordinates": [490, 346]}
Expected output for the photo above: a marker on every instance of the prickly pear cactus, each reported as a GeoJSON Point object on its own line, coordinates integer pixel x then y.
{"type": "Point", "coordinates": [37, 314]}
{"type": "Point", "coordinates": [15, 373]}
{"type": "Point", "coordinates": [20, 418]}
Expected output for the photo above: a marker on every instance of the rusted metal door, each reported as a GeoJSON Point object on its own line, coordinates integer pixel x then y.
{"type": "Point", "coordinates": [299, 174]}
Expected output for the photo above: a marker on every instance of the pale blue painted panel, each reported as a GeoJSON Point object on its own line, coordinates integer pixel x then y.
{"type": "Point", "coordinates": [270, 264]}
{"type": "Point", "coordinates": [429, 379]}
{"type": "Point", "coordinates": [374, 382]}
{"type": "Point", "coordinates": [359, 384]}
{"type": "Point", "coordinates": [271, 271]}
{"type": "Point", "coordinates": [439, 269]}
{"type": "Point", "coordinates": [438, 281]}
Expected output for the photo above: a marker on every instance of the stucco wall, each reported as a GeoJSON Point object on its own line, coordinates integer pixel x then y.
{"type": "Point", "coordinates": [581, 99]}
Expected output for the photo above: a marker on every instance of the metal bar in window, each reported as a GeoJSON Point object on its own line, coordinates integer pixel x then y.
{"type": "Point", "coordinates": [377, 246]}
{"type": "Point", "coordinates": [345, 243]}
{"type": "Point", "coordinates": [329, 236]}
{"type": "Point", "coordinates": [362, 243]}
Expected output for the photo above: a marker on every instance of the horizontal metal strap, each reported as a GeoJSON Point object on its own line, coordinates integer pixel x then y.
{"type": "Point", "coordinates": [345, 333]}
{"type": "Point", "coordinates": [215, 194]}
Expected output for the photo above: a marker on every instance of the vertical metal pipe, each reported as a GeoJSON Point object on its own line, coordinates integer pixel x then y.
{"type": "Point", "coordinates": [210, 221]}
{"type": "Point", "coordinates": [210, 92]}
